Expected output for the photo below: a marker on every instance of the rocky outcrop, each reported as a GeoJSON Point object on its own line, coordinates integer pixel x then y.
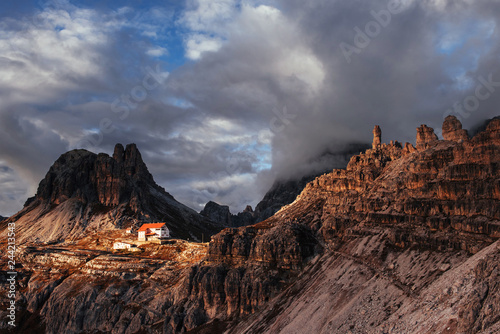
{"type": "Point", "coordinates": [217, 213]}
{"type": "Point", "coordinates": [221, 215]}
{"type": "Point", "coordinates": [281, 193]}
{"type": "Point", "coordinates": [285, 246]}
{"type": "Point", "coordinates": [448, 187]}
{"type": "Point", "coordinates": [377, 137]}
{"type": "Point", "coordinates": [452, 130]}
{"type": "Point", "coordinates": [285, 191]}
{"type": "Point", "coordinates": [83, 192]}
{"type": "Point", "coordinates": [425, 137]}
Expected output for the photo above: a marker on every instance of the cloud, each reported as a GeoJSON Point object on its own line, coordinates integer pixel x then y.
{"type": "Point", "coordinates": [157, 52]}
{"type": "Point", "coordinates": [13, 194]}
{"type": "Point", "coordinates": [198, 44]}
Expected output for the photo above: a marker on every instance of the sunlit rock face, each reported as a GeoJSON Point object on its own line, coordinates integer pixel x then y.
{"type": "Point", "coordinates": [450, 186]}
{"type": "Point", "coordinates": [425, 136]}
{"type": "Point", "coordinates": [452, 130]}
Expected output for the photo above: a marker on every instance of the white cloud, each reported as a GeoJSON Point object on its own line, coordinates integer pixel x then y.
{"type": "Point", "coordinates": [207, 20]}
{"type": "Point", "coordinates": [41, 60]}
{"type": "Point", "coordinates": [209, 15]}
{"type": "Point", "coordinates": [198, 44]}
{"type": "Point", "coordinates": [279, 44]}
{"type": "Point", "coordinates": [157, 52]}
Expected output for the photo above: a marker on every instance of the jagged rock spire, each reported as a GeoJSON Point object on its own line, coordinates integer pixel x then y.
{"type": "Point", "coordinates": [425, 136]}
{"type": "Point", "coordinates": [377, 137]}
{"type": "Point", "coordinates": [452, 129]}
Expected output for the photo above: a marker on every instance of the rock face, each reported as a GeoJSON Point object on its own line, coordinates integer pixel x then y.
{"type": "Point", "coordinates": [481, 126]}
{"type": "Point", "coordinates": [425, 136]}
{"type": "Point", "coordinates": [84, 192]}
{"type": "Point", "coordinates": [403, 240]}
{"type": "Point", "coordinates": [377, 137]}
{"type": "Point", "coordinates": [285, 191]}
{"type": "Point", "coordinates": [452, 129]}
{"type": "Point", "coordinates": [221, 215]}
{"type": "Point", "coordinates": [400, 227]}
{"type": "Point", "coordinates": [217, 213]}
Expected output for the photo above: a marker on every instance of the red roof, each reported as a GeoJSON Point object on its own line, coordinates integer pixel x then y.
{"type": "Point", "coordinates": [154, 225]}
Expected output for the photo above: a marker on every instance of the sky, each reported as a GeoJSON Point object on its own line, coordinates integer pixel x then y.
{"type": "Point", "coordinates": [222, 97]}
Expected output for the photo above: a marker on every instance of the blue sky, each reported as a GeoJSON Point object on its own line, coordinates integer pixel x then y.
{"type": "Point", "coordinates": [222, 97]}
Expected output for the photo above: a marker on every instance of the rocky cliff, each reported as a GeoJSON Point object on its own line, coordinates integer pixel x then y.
{"type": "Point", "coordinates": [83, 192]}
{"type": "Point", "coordinates": [401, 241]}
{"type": "Point", "coordinates": [221, 215]}
{"type": "Point", "coordinates": [282, 192]}
{"type": "Point", "coordinates": [405, 239]}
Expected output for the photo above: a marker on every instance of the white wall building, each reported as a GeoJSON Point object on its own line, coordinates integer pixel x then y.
{"type": "Point", "coordinates": [153, 231]}
{"type": "Point", "coordinates": [122, 245]}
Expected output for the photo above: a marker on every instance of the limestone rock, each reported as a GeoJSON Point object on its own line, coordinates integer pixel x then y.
{"type": "Point", "coordinates": [452, 129]}
{"type": "Point", "coordinates": [217, 213]}
{"type": "Point", "coordinates": [377, 137]}
{"type": "Point", "coordinates": [425, 136]}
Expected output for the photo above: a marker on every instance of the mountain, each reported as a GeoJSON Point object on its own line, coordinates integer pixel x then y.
{"type": "Point", "coordinates": [404, 240]}
{"type": "Point", "coordinates": [2, 218]}
{"type": "Point", "coordinates": [84, 192]}
{"type": "Point", "coordinates": [410, 241]}
{"type": "Point", "coordinates": [481, 126]}
{"type": "Point", "coordinates": [221, 214]}
{"type": "Point", "coordinates": [285, 190]}
{"type": "Point", "coordinates": [282, 192]}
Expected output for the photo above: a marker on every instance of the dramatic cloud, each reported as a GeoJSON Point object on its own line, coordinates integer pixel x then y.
{"type": "Point", "coordinates": [224, 96]}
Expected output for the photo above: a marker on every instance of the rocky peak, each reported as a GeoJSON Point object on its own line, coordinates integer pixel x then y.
{"type": "Point", "coordinates": [425, 136]}
{"type": "Point", "coordinates": [83, 190]}
{"type": "Point", "coordinates": [392, 185]}
{"type": "Point", "coordinates": [221, 214]}
{"type": "Point", "coordinates": [377, 137]}
{"type": "Point", "coordinates": [452, 129]}
{"type": "Point", "coordinates": [494, 126]}
{"type": "Point", "coordinates": [217, 213]}
{"type": "Point", "coordinates": [248, 208]}
{"type": "Point", "coordinates": [133, 161]}
{"type": "Point", "coordinates": [92, 177]}
{"type": "Point", "coordinates": [119, 153]}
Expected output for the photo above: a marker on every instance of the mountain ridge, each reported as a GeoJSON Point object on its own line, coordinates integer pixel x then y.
{"type": "Point", "coordinates": [84, 191]}
{"type": "Point", "coordinates": [405, 239]}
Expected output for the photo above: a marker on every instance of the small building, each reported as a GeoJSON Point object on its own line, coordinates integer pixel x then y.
{"type": "Point", "coordinates": [123, 245]}
{"type": "Point", "coordinates": [154, 231]}
{"type": "Point", "coordinates": [129, 230]}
